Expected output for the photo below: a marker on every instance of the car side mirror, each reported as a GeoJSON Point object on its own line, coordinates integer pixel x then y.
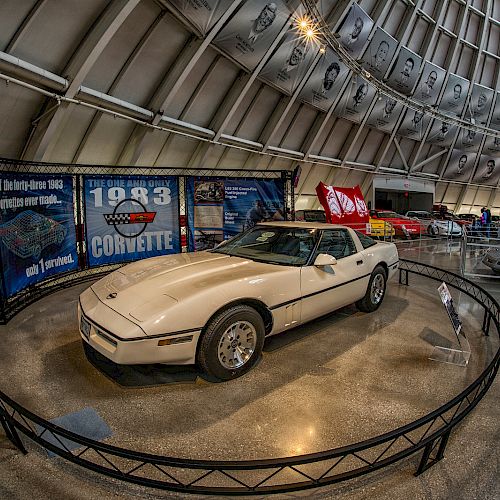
{"type": "Point", "coordinates": [323, 259]}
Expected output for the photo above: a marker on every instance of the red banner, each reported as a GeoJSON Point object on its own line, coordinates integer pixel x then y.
{"type": "Point", "coordinates": [343, 205]}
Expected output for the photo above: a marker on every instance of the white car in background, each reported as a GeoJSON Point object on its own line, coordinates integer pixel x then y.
{"type": "Point", "coordinates": [436, 227]}
{"type": "Point", "coordinates": [216, 307]}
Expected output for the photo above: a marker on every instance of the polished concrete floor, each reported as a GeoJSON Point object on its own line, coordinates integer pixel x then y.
{"type": "Point", "coordinates": [343, 378]}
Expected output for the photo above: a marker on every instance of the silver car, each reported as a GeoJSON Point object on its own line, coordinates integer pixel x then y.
{"type": "Point", "coordinates": [436, 227]}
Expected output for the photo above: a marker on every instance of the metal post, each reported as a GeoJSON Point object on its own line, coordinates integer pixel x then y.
{"type": "Point", "coordinates": [426, 460]}
{"type": "Point", "coordinates": [11, 433]}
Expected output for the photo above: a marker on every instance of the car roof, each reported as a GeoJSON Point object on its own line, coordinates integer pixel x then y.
{"type": "Point", "coordinates": [302, 225]}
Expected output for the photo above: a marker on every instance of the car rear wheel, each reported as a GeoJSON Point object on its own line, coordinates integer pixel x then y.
{"type": "Point", "coordinates": [432, 230]}
{"type": "Point", "coordinates": [375, 292]}
{"type": "Point", "coordinates": [232, 343]}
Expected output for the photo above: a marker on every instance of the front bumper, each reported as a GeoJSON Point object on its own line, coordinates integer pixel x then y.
{"type": "Point", "coordinates": [176, 349]}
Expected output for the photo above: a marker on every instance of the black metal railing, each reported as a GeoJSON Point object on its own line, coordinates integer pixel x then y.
{"type": "Point", "coordinates": [429, 433]}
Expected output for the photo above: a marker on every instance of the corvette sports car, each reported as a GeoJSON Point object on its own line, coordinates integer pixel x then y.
{"type": "Point", "coordinates": [436, 227]}
{"type": "Point", "coordinates": [403, 226]}
{"type": "Point", "coordinates": [216, 307]}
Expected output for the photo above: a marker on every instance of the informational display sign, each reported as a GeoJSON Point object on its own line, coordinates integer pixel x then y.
{"type": "Point", "coordinates": [455, 94]}
{"type": "Point", "coordinates": [488, 171]}
{"type": "Point", "coordinates": [219, 208]}
{"type": "Point", "coordinates": [441, 133]}
{"type": "Point", "coordinates": [469, 140]}
{"type": "Point", "coordinates": [37, 228]}
{"type": "Point", "coordinates": [430, 83]}
{"type": "Point", "coordinates": [324, 83]}
{"type": "Point", "coordinates": [252, 30]}
{"type": "Point", "coordinates": [379, 53]}
{"type": "Point", "coordinates": [414, 124]}
{"type": "Point", "coordinates": [447, 301]}
{"type": "Point", "coordinates": [492, 146]}
{"type": "Point", "coordinates": [289, 64]}
{"type": "Point", "coordinates": [404, 73]}
{"type": "Point", "coordinates": [356, 99]}
{"type": "Point", "coordinates": [354, 30]}
{"type": "Point", "coordinates": [385, 113]}
{"type": "Point", "coordinates": [202, 13]}
{"type": "Point", "coordinates": [460, 165]}
{"type": "Point", "coordinates": [130, 217]}
{"type": "Point", "coordinates": [480, 104]}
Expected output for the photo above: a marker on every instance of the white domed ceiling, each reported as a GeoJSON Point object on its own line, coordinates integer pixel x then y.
{"type": "Point", "coordinates": [377, 88]}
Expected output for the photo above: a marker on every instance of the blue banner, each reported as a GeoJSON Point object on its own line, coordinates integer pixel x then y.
{"type": "Point", "coordinates": [130, 217]}
{"type": "Point", "coordinates": [37, 228]}
{"type": "Point", "coordinates": [220, 208]}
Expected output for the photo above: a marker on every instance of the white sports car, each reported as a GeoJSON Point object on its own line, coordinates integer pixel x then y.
{"type": "Point", "coordinates": [436, 227]}
{"type": "Point", "coordinates": [216, 307]}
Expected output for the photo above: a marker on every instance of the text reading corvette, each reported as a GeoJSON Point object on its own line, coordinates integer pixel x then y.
{"type": "Point", "coordinates": [216, 307]}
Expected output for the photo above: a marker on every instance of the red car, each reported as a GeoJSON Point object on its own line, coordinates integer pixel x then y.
{"type": "Point", "coordinates": [403, 226]}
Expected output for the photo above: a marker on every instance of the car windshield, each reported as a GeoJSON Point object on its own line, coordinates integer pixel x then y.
{"type": "Point", "coordinates": [272, 244]}
{"type": "Point", "coordinates": [389, 215]}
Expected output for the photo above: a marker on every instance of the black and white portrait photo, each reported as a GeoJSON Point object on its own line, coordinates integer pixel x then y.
{"type": "Point", "coordinates": [324, 83]}
{"type": "Point", "coordinates": [460, 165]}
{"type": "Point", "coordinates": [441, 133]}
{"type": "Point", "coordinates": [379, 53]}
{"type": "Point", "coordinates": [430, 83]}
{"type": "Point", "coordinates": [480, 104]}
{"type": "Point", "coordinates": [203, 14]}
{"type": "Point", "coordinates": [404, 73]}
{"type": "Point", "coordinates": [414, 124]}
{"type": "Point", "coordinates": [356, 99]}
{"type": "Point", "coordinates": [385, 113]}
{"type": "Point", "coordinates": [488, 171]}
{"type": "Point", "coordinates": [455, 94]}
{"type": "Point", "coordinates": [354, 30]}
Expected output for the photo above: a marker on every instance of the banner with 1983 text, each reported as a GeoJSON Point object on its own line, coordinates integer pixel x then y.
{"type": "Point", "coordinates": [130, 217]}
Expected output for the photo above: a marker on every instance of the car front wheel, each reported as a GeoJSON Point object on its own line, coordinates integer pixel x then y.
{"type": "Point", "coordinates": [375, 292]}
{"type": "Point", "coordinates": [232, 343]}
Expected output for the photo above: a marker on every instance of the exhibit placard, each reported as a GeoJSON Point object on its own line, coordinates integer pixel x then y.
{"type": "Point", "coordinates": [37, 229]}
{"type": "Point", "coordinates": [252, 30]}
{"type": "Point", "coordinates": [447, 301]}
{"type": "Point", "coordinates": [430, 83]}
{"type": "Point", "coordinates": [404, 73]}
{"type": "Point", "coordinates": [480, 104]}
{"type": "Point", "coordinates": [291, 61]}
{"type": "Point", "coordinates": [488, 171]}
{"type": "Point", "coordinates": [441, 133]}
{"type": "Point", "coordinates": [455, 94]}
{"type": "Point", "coordinates": [356, 99]}
{"type": "Point", "coordinates": [379, 53]}
{"type": "Point", "coordinates": [460, 165]}
{"type": "Point", "coordinates": [354, 30]}
{"type": "Point", "coordinates": [385, 113]}
{"type": "Point", "coordinates": [219, 208]}
{"type": "Point", "coordinates": [324, 83]}
{"type": "Point", "coordinates": [130, 217]}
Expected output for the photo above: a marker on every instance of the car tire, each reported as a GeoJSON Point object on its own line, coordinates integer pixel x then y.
{"type": "Point", "coordinates": [432, 231]}
{"type": "Point", "coordinates": [231, 343]}
{"type": "Point", "coordinates": [375, 292]}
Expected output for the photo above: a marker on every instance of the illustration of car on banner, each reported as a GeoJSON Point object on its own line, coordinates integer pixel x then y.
{"type": "Point", "coordinates": [28, 233]}
{"type": "Point", "coordinates": [403, 226]}
{"type": "Point", "coordinates": [215, 308]}
{"type": "Point", "coordinates": [436, 227]}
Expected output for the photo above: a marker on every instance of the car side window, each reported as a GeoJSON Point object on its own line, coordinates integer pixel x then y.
{"type": "Point", "coordinates": [337, 243]}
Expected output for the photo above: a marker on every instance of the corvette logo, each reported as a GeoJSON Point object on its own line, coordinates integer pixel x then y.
{"type": "Point", "coordinates": [118, 218]}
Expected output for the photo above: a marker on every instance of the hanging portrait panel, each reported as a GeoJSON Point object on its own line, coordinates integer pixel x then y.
{"type": "Point", "coordinates": [325, 82]}
{"type": "Point", "coordinates": [469, 140]}
{"type": "Point", "coordinates": [495, 118]}
{"type": "Point", "coordinates": [488, 171]}
{"type": "Point", "coordinates": [460, 165]}
{"type": "Point", "coordinates": [356, 99]}
{"type": "Point", "coordinates": [354, 30]}
{"type": "Point", "coordinates": [252, 30]}
{"type": "Point", "coordinates": [492, 145]}
{"type": "Point", "coordinates": [289, 64]}
{"type": "Point", "coordinates": [385, 113]}
{"type": "Point", "coordinates": [203, 14]}
{"type": "Point", "coordinates": [454, 95]}
{"type": "Point", "coordinates": [379, 53]}
{"type": "Point", "coordinates": [414, 124]}
{"type": "Point", "coordinates": [404, 73]}
{"type": "Point", "coordinates": [480, 104]}
{"type": "Point", "coordinates": [441, 133]}
{"type": "Point", "coordinates": [430, 83]}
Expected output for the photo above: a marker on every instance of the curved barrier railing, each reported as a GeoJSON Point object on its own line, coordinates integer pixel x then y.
{"type": "Point", "coordinates": [429, 433]}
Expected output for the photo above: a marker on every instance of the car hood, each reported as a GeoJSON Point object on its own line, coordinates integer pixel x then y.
{"type": "Point", "coordinates": [141, 289]}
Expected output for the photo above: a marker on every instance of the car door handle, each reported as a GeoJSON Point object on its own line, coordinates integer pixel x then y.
{"type": "Point", "coordinates": [359, 262]}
